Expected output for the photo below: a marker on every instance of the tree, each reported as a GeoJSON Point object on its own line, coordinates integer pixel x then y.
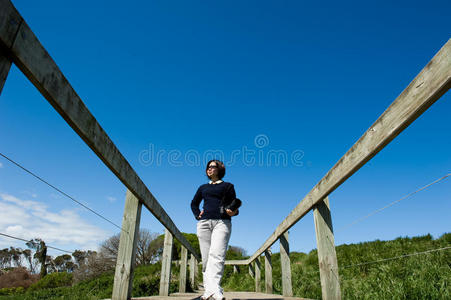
{"type": "Point", "coordinates": [147, 248]}
{"type": "Point", "coordinates": [80, 257]}
{"type": "Point", "coordinates": [16, 255]}
{"type": "Point", "coordinates": [5, 258]}
{"type": "Point", "coordinates": [29, 258]}
{"type": "Point", "coordinates": [63, 263]}
{"type": "Point", "coordinates": [91, 264]}
{"type": "Point", "coordinates": [40, 254]}
{"type": "Point", "coordinates": [190, 237]}
{"type": "Point", "coordinates": [235, 253]}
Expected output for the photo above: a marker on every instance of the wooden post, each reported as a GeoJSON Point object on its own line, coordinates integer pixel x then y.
{"type": "Point", "coordinates": [125, 263]}
{"type": "Point", "coordinates": [166, 264]}
{"type": "Point", "coordinates": [196, 273]}
{"type": "Point", "coordinates": [183, 265]}
{"type": "Point", "coordinates": [193, 269]}
{"type": "Point", "coordinates": [251, 270]}
{"type": "Point", "coordinates": [287, 290]}
{"type": "Point", "coordinates": [235, 269]}
{"type": "Point", "coordinates": [327, 258]}
{"type": "Point", "coordinates": [257, 275]}
{"type": "Point", "coordinates": [268, 272]}
{"type": "Point", "coordinates": [5, 65]}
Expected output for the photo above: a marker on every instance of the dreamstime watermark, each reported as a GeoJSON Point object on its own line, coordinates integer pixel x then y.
{"type": "Point", "coordinates": [260, 155]}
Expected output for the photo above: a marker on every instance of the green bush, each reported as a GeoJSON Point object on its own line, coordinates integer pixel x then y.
{"type": "Point", "coordinates": [12, 291]}
{"type": "Point", "coordinates": [52, 280]}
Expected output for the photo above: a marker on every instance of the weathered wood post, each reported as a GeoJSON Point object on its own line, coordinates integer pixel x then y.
{"type": "Point", "coordinates": [5, 66]}
{"type": "Point", "coordinates": [193, 269]}
{"type": "Point", "coordinates": [327, 258]}
{"type": "Point", "coordinates": [268, 272]}
{"type": "Point", "coordinates": [251, 270]}
{"type": "Point", "coordinates": [287, 290]}
{"type": "Point", "coordinates": [10, 22]}
{"type": "Point", "coordinates": [258, 275]}
{"type": "Point", "coordinates": [183, 269]}
{"type": "Point", "coordinates": [125, 263]}
{"type": "Point", "coordinates": [166, 263]}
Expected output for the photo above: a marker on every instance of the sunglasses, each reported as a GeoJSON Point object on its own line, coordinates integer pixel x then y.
{"type": "Point", "coordinates": [212, 167]}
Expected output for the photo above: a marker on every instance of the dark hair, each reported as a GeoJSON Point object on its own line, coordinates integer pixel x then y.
{"type": "Point", "coordinates": [221, 168]}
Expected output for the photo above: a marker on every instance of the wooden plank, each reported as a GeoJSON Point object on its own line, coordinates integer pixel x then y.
{"type": "Point", "coordinates": [268, 273]}
{"type": "Point", "coordinates": [227, 295]}
{"type": "Point", "coordinates": [251, 270]}
{"type": "Point", "coordinates": [193, 271]}
{"type": "Point", "coordinates": [196, 273]}
{"type": "Point", "coordinates": [183, 269]}
{"type": "Point", "coordinates": [237, 262]}
{"type": "Point", "coordinates": [125, 263]}
{"type": "Point", "coordinates": [37, 65]}
{"type": "Point", "coordinates": [258, 275]}
{"type": "Point", "coordinates": [10, 21]}
{"type": "Point", "coordinates": [5, 66]}
{"type": "Point", "coordinates": [327, 258]}
{"type": "Point", "coordinates": [426, 88]}
{"type": "Point", "coordinates": [286, 265]}
{"type": "Point", "coordinates": [166, 262]}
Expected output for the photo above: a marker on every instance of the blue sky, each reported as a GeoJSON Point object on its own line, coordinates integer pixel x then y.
{"type": "Point", "coordinates": [305, 79]}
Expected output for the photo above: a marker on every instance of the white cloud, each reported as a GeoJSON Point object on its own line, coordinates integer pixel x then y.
{"type": "Point", "coordinates": [1, 165]}
{"type": "Point", "coordinates": [111, 199]}
{"type": "Point", "coordinates": [29, 219]}
{"type": "Point", "coordinates": [31, 194]}
{"type": "Point", "coordinates": [55, 196]}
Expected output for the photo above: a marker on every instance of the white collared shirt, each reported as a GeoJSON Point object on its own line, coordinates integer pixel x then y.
{"type": "Point", "coordinates": [215, 182]}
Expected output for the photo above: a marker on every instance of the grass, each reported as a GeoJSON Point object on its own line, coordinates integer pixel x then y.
{"type": "Point", "coordinates": [425, 276]}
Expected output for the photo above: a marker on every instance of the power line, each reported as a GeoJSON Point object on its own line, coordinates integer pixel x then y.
{"type": "Point", "coordinates": [396, 257]}
{"type": "Point", "coordinates": [60, 191]}
{"type": "Point", "coordinates": [391, 204]}
{"type": "Point", "coordinates": [383, 260]}
{"type": "Point", "coordinates": [20, 239]}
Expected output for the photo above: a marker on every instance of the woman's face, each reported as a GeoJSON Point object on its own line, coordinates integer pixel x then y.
{"type": "Point", "coordinates": [212, 170]}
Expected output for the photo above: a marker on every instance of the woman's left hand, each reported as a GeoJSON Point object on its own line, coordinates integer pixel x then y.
{"type": "Point", "coordinates": [230, 212]}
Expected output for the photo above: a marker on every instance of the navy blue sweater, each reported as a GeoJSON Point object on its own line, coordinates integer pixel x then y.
{"type": "Point", "coordinates": [212, 195]}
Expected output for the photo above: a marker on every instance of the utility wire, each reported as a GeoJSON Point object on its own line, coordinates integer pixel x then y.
{"type": "Point", "coordinates": [61, 192]}
{"type": "Point", "coordinates": [391, 204]}
{"type": "Point", "coordinates": [383, 260]}
{"type": "Point", "coordinates": [17, 238]}
{"type": "Point", "coordinates": [396, 257]}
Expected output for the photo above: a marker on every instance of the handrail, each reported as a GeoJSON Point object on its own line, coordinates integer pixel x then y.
{"type": "Point", "coordinates": [426, 88]}
{"type": "Point", "coordinates": [22, 46]}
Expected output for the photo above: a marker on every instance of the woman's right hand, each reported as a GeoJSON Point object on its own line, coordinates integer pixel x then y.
{"type": "Point", "coordinates": [200, 215]}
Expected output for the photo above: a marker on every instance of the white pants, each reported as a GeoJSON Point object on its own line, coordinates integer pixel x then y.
{"type": "Point", "coordinates": [213, 238]}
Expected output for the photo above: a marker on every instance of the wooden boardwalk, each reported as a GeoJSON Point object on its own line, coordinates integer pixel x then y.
{"type": "Point", "coordinates": [228, 296]}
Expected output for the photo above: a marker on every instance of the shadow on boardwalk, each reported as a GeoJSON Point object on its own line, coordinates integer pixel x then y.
{"type": "Point", "coordinates": [228, 296]}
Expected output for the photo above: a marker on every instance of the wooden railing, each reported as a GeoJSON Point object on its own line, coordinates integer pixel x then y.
{"type": "Point", "coordinates": [19, 45]}
{"type": "Point", "coordinates": [426, 88]}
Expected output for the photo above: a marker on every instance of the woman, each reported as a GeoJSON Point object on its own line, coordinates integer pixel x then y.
{"type": "Point", "coordinates": [214, 226]}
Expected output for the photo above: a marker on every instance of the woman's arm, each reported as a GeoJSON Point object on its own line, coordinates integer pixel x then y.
{"type": "Point", "coordinates": [195, 204]}
{"type": "Point", "coordinates": [231, 196]}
